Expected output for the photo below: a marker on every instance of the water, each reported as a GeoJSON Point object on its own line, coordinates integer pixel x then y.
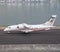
{"type": "Point", "coordinates": [29, 12]}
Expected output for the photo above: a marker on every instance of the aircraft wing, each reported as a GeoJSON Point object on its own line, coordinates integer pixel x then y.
{"type": "Point", "coordinates": [25, 27]}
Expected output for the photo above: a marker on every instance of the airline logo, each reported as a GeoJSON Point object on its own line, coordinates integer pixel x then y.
{"type": "Point", "coordinates": [51, 21]}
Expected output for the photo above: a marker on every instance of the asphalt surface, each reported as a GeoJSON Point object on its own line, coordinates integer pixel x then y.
{"type": "Point", "coordinates": [38, 37]}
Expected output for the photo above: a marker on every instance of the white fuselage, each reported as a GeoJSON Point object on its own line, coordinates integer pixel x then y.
{"type": "Point", "coordinates": [27, 28]}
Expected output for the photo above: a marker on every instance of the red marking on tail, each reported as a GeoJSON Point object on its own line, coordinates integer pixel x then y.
{"type": "Point", "coordinates": [51, 21]}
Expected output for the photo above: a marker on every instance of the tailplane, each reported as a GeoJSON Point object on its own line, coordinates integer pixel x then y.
{"type": "Point", "coordinates": [51, 21]}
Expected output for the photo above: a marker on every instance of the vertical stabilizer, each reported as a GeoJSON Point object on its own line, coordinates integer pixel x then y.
{"type": "Point", "coordinates": [51, 21]}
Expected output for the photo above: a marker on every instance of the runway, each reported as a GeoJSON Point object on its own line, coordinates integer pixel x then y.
{"type": "Point", "coordinates": [38, 37]}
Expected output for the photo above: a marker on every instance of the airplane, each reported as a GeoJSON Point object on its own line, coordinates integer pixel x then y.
{"type": "Point", "coordinates": [26, 28]}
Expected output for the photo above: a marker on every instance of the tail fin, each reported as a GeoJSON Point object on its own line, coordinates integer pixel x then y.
{"type": "Point", "coordinates": [51, 21]}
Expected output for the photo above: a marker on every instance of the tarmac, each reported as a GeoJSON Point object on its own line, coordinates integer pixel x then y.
{"type": "Point", "coordinates": [37, 37]}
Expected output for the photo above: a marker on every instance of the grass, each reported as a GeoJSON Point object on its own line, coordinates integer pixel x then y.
{"type": "Point", "coordinates": [58, 26]}
{"type": "Point", "coordinates": [2, 26]}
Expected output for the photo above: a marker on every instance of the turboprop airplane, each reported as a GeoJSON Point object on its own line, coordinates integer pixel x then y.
{"type": "Point", "coordinates": [26, 28]}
